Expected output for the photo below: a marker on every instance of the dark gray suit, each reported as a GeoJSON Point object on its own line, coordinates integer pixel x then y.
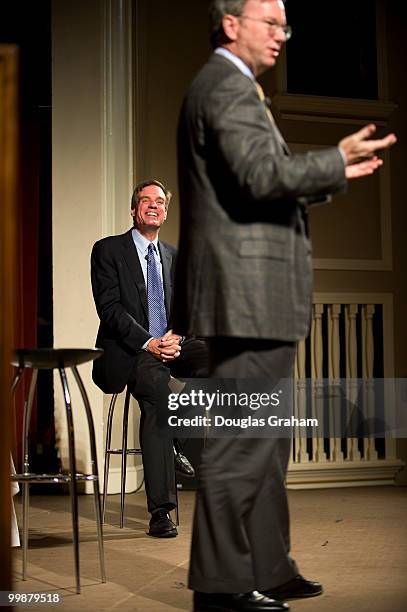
{"type": "Point", "coordinates": [244, 280]}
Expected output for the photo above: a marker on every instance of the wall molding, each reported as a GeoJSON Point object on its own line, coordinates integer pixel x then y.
{"type": "Point", "coordinates": [296, 107]}
{"type": "Point", "coordinates": [351, 112]}
{"type": "Point", "coordinates": [345, 474]}
{"type": "Point", "coordinates": [385, 263]}
{"type": "Point", "coordinates": [117, 122]}
{"type": "Point", "coordinates": [140, 54]}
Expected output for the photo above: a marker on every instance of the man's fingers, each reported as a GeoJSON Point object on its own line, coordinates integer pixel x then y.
{"type": "Point", "coordinates": [169, 338]}
{"type": "Point", "coordinates": [381, 143]}
{"type": "Point", "coordinates": [359, 146]}
{"type": "Point", "coordinates": [369, 147]}
{"type": "Point", "coordinates": [169, 350]}
{"type": "Point", "coordinates": [363, 168]}
{"type": "Point", "coordinates": [168, 353]}
{"type": "Point", "coordinates": [169, 343]}
{"type": "Point", "coordinates": [169, 356]}
{"type": "Point", "coordinates": [365, 132]}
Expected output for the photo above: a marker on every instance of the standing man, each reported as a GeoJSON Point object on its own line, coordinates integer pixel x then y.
{"type": "Point", "coordinates": [245, 282]}
{"type": "Point", "coordinates": [132, 278]}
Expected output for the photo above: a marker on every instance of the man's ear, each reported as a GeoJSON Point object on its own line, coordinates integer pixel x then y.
{"type": "Point", "coordinates": [133, 212]}
{"type": "Point", "coordinates": [230, 24]}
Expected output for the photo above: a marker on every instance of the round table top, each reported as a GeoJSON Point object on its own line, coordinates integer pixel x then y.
{"type": "Point", "coordinates": [48, 358]}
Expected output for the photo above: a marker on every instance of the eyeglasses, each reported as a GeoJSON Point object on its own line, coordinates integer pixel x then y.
{"type": "Point", "coordinates": [272, 26]}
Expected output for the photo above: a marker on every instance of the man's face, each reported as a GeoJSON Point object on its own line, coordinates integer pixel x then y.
{"type": "Point", "coordinates": [150, 212]}
{"type": "Point", "coordinates": [257, 43]}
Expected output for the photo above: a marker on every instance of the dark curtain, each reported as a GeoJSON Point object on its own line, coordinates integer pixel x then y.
{"type": "Point", "coordinates": [28, 24]}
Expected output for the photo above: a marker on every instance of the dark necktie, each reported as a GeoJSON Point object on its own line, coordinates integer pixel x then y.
{"type": "Point", "coordinates": [157, 317]}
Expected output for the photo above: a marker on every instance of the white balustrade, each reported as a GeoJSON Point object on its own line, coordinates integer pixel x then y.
{"type": "Point", "coordinates": [340, 355]}
{"type": "Point", "coordinates": [335, 396]}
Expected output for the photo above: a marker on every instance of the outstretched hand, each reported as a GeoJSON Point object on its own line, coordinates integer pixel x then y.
{"type": "Point", "coordinates": [363, 168]}
{"type": "Point", "coordinates": [360, 151]}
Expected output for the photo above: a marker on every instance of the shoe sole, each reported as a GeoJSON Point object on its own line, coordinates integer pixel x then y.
{"type": "Point", "coordinates": [214, 609]}
{"type": "Point", "coordinates": [281, 597]}
{"type": "Point", "coordinates": [184, 475]}
{"type": "Point", "coordinates": [223, 609]}
{"type": "Point", "coordinates": [168, 534]}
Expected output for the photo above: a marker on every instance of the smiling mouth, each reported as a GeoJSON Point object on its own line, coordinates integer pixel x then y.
{"type": "Point", "coordinates": [151, 214]}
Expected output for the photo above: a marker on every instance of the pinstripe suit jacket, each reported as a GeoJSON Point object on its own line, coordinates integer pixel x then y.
{"type": "Point", "coordinates": [244, 263]}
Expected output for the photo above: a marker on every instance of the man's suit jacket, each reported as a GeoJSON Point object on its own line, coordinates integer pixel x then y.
{"type": "Point", "coordinates": [244, 261]}
{"type": "Point", "coordinates": [120, 295]}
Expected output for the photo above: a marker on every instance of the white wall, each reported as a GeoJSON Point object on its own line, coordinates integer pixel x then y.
{"type": "Point", "coordinates": [92, 180]}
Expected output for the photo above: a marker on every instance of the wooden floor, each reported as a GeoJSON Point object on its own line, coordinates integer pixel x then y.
{"type": "Point", "coordinates": [353, 540]}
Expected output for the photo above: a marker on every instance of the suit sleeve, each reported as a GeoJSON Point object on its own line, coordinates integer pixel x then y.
{"type": "Point", "coordinates": [247, 148]}
{"type": "Point", "coordinates": [117, 322]}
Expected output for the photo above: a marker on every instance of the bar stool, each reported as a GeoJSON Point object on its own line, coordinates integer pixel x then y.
{"type": "Point", "coordinates": [124, 452]}
{"type": "Point", "coordinates": [49, 359]}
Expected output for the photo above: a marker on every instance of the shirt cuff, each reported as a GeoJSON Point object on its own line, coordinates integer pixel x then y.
{"type": "Point", "coordinates": [343, 155]}
{"type": "Point", "coordinates": [144, 347]}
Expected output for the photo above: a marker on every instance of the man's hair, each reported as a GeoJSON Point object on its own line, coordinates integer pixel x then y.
{"type": "Point", "coordinates": [140, 186]}
{"type": "Point", "coordinates": [217, 10]}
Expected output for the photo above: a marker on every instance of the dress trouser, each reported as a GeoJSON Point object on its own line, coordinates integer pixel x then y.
{"type": "Point", "coordinates": [149, 385]}
{"type": "Point", "coordinates": [241, 537]}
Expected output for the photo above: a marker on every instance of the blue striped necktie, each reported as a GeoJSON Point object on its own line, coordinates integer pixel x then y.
{"type": "Point", "coordinates": [157, 317]}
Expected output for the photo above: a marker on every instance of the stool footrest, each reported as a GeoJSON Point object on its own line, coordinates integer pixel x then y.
{"type": "Point", "coordinates": [51, 477]}
{"type": "Point", "coordinates": [129, 451]}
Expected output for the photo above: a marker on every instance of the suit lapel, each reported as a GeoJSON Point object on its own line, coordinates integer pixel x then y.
{"type": "Point", "coordinates": [133, 263]}
{"type": "Point", "coordinates": [280, 139]}
{"type": "Point", "coordinates": [267, 106]}
{"type": "Point", "coordinates": [215, 58]}
{"type": "Point", "coordinates": [277, 132]}
{"type": "Point", "coordinates": [166, 260]}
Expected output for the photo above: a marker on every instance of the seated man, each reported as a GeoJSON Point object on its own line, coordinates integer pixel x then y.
{"type": "Point", "coordinates": [132, 278]}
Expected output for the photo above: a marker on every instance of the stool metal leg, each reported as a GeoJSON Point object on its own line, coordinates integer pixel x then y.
{"type": "Point", "coordinates": [17, 378]}
{"type": "Point", "coordinates": [95, 472]}
{"type": "Point", "coordinates": [107, 454]}
{"type": "Point", "coordinates": [124, 456]}
{"type": "Point", "coordinates": [26, 465]}
{"type": "Point", "coordinates": [176, 501]}
{"type": "Point", "coordinates": [72, 482]}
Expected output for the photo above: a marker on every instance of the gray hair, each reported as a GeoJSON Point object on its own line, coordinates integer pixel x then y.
{"type": "Point", "coordinates": [217, 10]}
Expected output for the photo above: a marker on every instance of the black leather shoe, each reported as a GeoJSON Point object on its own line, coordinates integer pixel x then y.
{"type": "Point", "coordinates": [236, 602]}
{"type": "Point", "coordinates": [161, 525]}
{"type": "Point", "coordinates": [295, 589]}
{"type": "Point", "coordinates": [182, 465]}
